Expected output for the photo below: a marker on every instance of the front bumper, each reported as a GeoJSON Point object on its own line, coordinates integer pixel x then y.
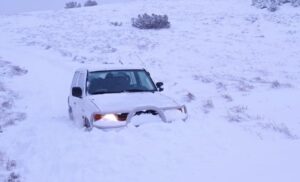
{"type": "Point", "coordinates": [165, 113]}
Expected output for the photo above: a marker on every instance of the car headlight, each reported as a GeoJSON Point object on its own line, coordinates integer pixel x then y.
{"type": "Point", "coordinates": [111, 117]}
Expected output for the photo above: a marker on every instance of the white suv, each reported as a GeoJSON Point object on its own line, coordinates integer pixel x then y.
{"type": "Point", "coordinates": [110, 98]}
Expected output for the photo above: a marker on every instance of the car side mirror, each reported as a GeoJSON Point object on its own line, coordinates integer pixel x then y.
{"type": "Point", "coordinates": [159, 85]}
{"type": "Point", "coordinates": [77, 92]}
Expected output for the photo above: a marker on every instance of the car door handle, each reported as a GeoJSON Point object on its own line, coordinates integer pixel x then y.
{"type": "Point", "coordinates": [74, 103]}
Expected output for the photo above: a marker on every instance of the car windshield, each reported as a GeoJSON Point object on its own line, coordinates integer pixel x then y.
{"type": "Point", "coordinates": [117, 81]}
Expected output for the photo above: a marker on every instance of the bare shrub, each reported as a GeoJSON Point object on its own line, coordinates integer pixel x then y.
{"type": "Point", "coordinates": [9, 70]}
{"type": "Point", "coordinates": [7, 96]}
{"type": "Point", "coordinates": [251, 18]}
{"type": "Point", "coordinates": [259, 3]}
{"type": "Point", "coordinates": [90, 3]}
{"type": "Point", "coordinates": [204, 79]}
{"type": "Point", "coordinates": [153, 21]}
{"type": "Point", "coordinates": [81, 59]}
{"type": "Point", "coordinates": [272, 5]}
{"type": "Point", "coordinates": [239, 109]}
{"type": "Point", "coordinates": [235, 118]}
{"type": "Point", "coordinates": [295, 3]}
{"type": "Point", "coordinates": [13, 177]}
{"type": "Point", "coordinates": [276, 84]}
{"type": "Point", "coordinates": [221, 86]}
{"type": "Point", "coordinates": [244, 87]}
{"type": "Point", "coordinates": [16, 70]}
{"type": "Point", "coordinates": [190, 97]}
{"type": "Point", "coordinates": [8, 170]}
{"type": "Point", "coordinates": [228, 98]}
{"type": "Point", "coordinates": [117, 24]}
{"type": "Point", "coordinates": [10, 118]}
{"type": "Point", "coordinates": [10, 165]}
{"type": "Point", "coordinates": [72, 4]}
{"type": "Point", "coordinates": [207, 106]}
{"type": "Point", "coordinates": [279, 128]}
{"type": "Point", "coordinates": [238, 114]}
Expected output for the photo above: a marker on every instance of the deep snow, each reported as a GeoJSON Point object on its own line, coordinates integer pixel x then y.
{"type": "Point", "coordinates": [234, 66]}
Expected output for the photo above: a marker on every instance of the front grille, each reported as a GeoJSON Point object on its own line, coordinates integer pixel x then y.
{"type": "Point", "coordinates": [146, 112]}
{"type": "Point", "coordinates": [122, 116]}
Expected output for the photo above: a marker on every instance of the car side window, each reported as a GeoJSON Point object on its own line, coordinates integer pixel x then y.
{"type": "Point", "coordinates": [75, 79]}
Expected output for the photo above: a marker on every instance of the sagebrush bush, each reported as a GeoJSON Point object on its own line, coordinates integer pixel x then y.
{"type": "Point", "coordinates": [259, 3]}
{"type": "Point", "coordinates": [72, 4]}
{"type": "Point", "coordinates": [90, 3]}
{"type": "Point", "coordinates": [153, 21]}
{"type": "Point", "coordinates": [117, 24]}
{"type": "Point", "coordinates": [295, 3]}
{"type": "Point", "coordinates": [272, 5]}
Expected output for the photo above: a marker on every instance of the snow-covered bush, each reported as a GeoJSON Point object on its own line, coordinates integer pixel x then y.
{"type": "Point", "coordinates": [295, 3]}
{"type": "Point", "coordinates": [272, 5]}
{"type": "Point", "coordinates": [117, 24]}
{"type": "Point", "coordinates": [8, 169]}
{"type": "Point", "coordinates": [7, 96]}
{"type": "Point", "coordinates": [153, 21]}
{"type": "Point", "coordinates": [279, 128]}
{"type": "Point", "coordinates": [72, 4]}
{"type": "Point", "coordinates": [259, 3]}
{"type": "Point", "coordinates": [90, 3]}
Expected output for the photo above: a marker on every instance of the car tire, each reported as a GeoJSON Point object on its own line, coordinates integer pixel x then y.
{"type": "Point", "coordinates": [71, 116]}
{"type": "Point", "coordinates": [87, 124]}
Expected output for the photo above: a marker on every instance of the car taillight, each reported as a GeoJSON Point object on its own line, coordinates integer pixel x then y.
{"type": "Point", "coordinates": [97, 117]}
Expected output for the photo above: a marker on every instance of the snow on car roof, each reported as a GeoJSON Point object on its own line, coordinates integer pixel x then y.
{"type": "Point", "coordinates": [106, 68]}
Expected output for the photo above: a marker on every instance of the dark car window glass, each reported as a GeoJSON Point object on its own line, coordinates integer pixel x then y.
{"type": "Point", "coordinates": [144, 81]}
{"type": "Point", "coordinates": [116, 81]}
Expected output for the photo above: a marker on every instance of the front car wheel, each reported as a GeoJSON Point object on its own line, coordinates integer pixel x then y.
{"type": "Point", "coordinates": [71, 117]}
{"type": "Point", "coordinates": [87, 124]}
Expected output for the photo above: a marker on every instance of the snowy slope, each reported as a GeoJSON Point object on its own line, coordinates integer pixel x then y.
{"type": "Point", "coordinates": [235, 67]}
{"type": "Point", "coordinates": [18, 6]}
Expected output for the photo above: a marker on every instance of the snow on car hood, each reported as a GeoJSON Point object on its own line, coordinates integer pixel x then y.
{"type": "Point", "coordinates": [129, 101]}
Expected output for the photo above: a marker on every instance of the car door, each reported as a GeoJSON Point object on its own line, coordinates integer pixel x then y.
{"type": "Point", "coordinates": [72, 99]}
{"type": "Point", "coordinates": [80, 101]}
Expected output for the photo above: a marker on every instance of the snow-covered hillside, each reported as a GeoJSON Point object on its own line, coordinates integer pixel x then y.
{"type": "Point", "coordinates": [234, 66]}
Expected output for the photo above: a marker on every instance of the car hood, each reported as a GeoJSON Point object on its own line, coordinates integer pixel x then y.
{"type": "Point", "coordinates": [121, 102]}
